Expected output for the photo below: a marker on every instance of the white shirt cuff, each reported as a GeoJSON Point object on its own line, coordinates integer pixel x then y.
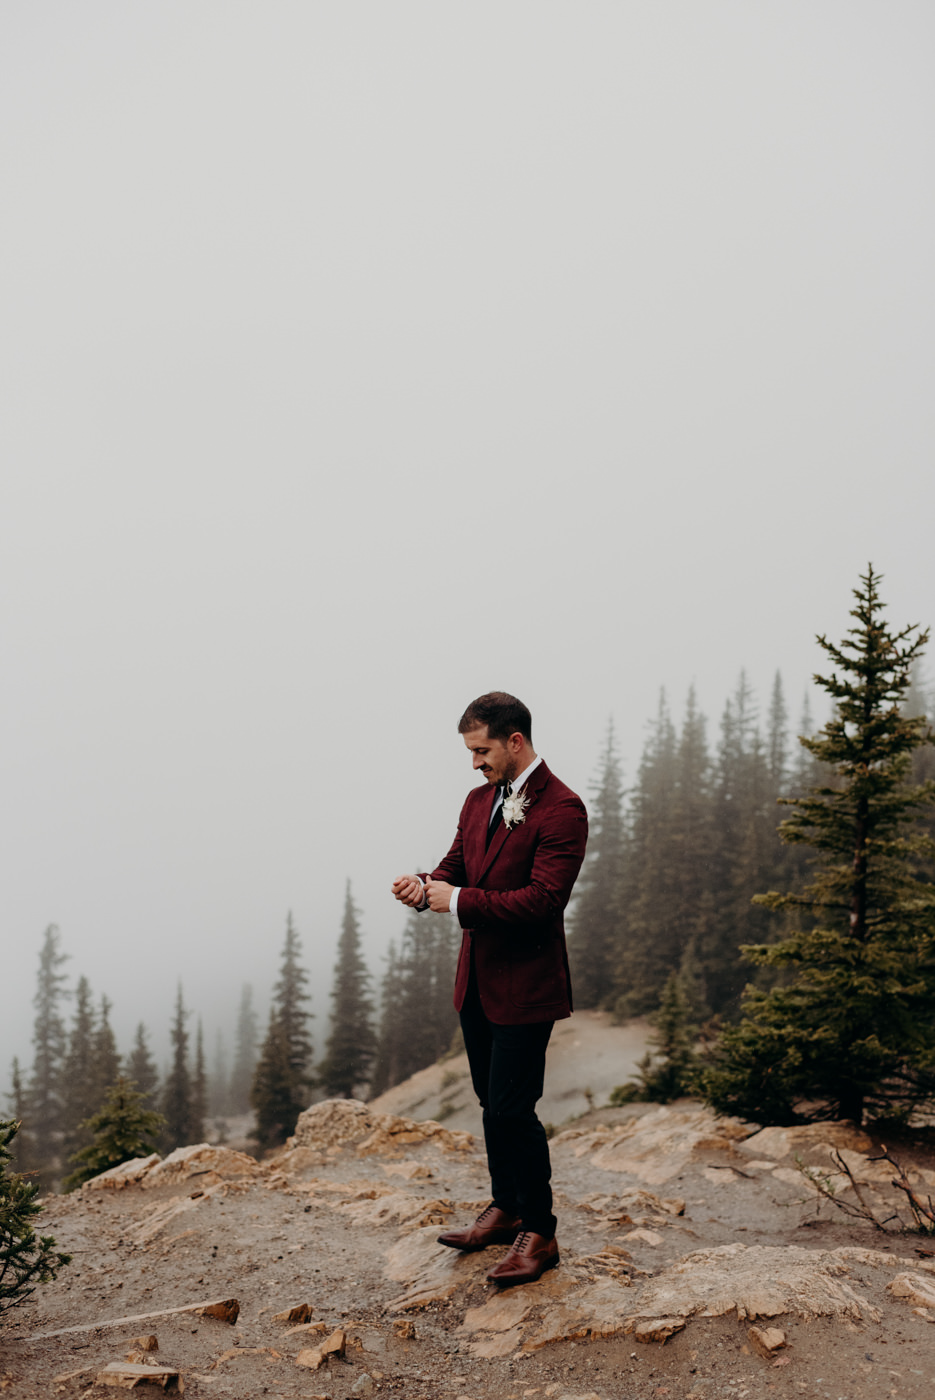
{"type": "Point", "coordinates": [453, 901]}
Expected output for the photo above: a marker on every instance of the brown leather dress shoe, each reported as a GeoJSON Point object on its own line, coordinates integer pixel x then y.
{"type": "Point", "coordinates": [527, 1261]}
{"type": "Point", "coordinates": [492, 1226]}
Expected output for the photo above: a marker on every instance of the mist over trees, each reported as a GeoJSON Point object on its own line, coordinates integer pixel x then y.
{"type": "Point", "coordinates": [675, 917]}
{"type": "Point", "coordinates": [674, 860]}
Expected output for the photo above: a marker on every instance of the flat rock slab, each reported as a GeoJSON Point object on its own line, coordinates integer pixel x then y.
{"type": "Point", "coordinates": [128, 1376]}
{"type": "Point", "coordinates": [753, 1282]}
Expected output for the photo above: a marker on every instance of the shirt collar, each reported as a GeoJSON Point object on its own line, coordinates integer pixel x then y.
{"type": "Point", "coordinates": [518, 782]}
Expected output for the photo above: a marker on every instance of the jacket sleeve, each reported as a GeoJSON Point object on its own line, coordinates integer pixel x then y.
{"type": "Point", "coordinates": [557, 859]}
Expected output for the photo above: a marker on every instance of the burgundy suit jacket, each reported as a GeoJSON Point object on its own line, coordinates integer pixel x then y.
{"type": "Point", "coordinates": [512, 898]}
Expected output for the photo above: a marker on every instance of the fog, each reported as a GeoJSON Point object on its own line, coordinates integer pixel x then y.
{"type": "Point", "coordinates": [360, 358]}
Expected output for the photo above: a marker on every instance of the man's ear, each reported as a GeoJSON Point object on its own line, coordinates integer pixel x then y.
{"type": "Point", "coordinates": [515, 742]}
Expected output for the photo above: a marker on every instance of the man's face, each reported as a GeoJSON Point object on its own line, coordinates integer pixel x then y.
{"type": "Point", "coordinates": [495, 758]}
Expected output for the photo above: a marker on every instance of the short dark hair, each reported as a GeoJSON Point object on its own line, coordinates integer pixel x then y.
{"type": "Point", "coordinates": [502, 714]}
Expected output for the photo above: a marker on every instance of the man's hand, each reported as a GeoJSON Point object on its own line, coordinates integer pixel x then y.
{"type": "Point", "coordinates": [408, 890]}
{"type": "Point", "coordinates": [439, 895]}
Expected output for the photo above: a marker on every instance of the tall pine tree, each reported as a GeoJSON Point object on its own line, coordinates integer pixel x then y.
{"type": "Point", "coordinates": [177, 1092]}
{"type": "Point", "coordinates": [106, 1059]}
{"type": "Point", "coordinates": [281, 1081]}
{"type": "Point", "coordinates": [352, 1044]}
{"type": "Point", "coordinates": [417, 1020]}
{"type": "Point", "coordinates": [45, 1097]}
{"type": "Point", "coordinates": [852, 1028]}
{"type": "Point", "coordinates": [594, 935]}
{"type": "Point", "coordinates": [80, 1072]}
{"type": "Point", "coordinates": [199, 1088]}
{"type": "Point", "coordinates": [246, 1040]}
{"type": "Point", "coordinates": [648, 946]}
{"type": "Point", "coordinates": [141, 1068]}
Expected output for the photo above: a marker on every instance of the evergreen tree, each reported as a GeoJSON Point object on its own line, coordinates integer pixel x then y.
{"type": "Point", "coordinates": [917, 704]}
{"type": "Point", "coordinates": [121, 1130]}
{"type": "Point", "coordinates": [746, 849]}
{"type": "Point", "coordinates": [852, 1029]}
{"type": "Point", "coordinates": [26, 1260]}
{"type": "Point", "coordinates": [44, 1100]}
{"type": "Point", "coordinates": [392, 1032]}
{"type": "Point", "coordinates": [21, 1154]}
{"type": "Point", "coordinates": [777, 756]}
{"type": "Point", "coordinates": [177, 1091]}
{"type": "Point", "coordinates": [669, 1068]}
{"type": "Point", "coordinates": [245, 1053]}
{"type": "Point", "coordinates": [199, 1088]}
{"type": "Point", "coordinates": [595, 925]}
{"type": "Point", "coordinates": [648, 946]}
{"type": "Point", "coordinates": [274, 1094]}
{"type": "Point", "coordinates": [141, 1068]}
{"type": "Point", "coordinates": [281, 1081]}
{"type": "Point", "coordinates": [80, 1071]}
{"type": "Point", "coordinates": [352, 1043]}
{"type": "Point", "coordinates": [219, 1081]}
{"type": "Point", "coordinates": [692, 841]}
{"type": "Point", "coordinates": [106, 1059]}
{"type": "Point", "coordinates": [417, 1019]}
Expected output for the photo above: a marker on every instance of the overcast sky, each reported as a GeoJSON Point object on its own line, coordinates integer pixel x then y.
{"type": "Point", "coordinates": [360, 357]}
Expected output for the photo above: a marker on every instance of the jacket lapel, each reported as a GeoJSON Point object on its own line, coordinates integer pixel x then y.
{"type": "Point", "coordinates": [531, 790]}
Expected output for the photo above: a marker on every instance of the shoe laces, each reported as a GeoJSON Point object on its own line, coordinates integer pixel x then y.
{"type": "Point", "coordinates": [521, 1241]}
{"type": "Point", "coordinates": [484, 1213]}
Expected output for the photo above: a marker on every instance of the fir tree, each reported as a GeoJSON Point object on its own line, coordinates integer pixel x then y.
{"type": "Point", "coordinates": [121, 1130]}
{"type": "Point", "coordinates": [177, 1091]}
{"type": "Point", "coordinates": [277, 1101]}
{"type": "Point", "coordinates": [352, 1043]}
{"type": "Point", "coordinates": [80, 1071]}
{"type": "Point", "coordinates": [141, 1068]}
{"type": "Point", "coordinates": [26, 1259]}
{"type": "Point", "coordinates": [281, 1081]}
{"type": "Point", "coordinates": [220, 1080]}
{"type": "Point", "coordinates": [852, 1030]}
{"type": "Point", "coordinates": [692, 842]}
{"type": "Point", "coordinates": [45, 1094]}
{"type": "Point", "coordinates": [595, 926]}
{"type": "Point", "coordinates": [245, 1053]}
{"type": "Point", "coordinates": [17, 1100]}
{"type": "Point", "coordinates": [777, 756]}
{"type": "Point", "coordinates": [106, 1059]}
{"type": "Point", "coordinates": [199, 1088]}
{"type": "Point", "coordinates": [648, 946]}
{"type": "Point", "coordinates": [746, 850]}
{"type": "Point", "coordinates": [669, 1068]}
{"type": "Point", "coordinates": [417, 1019]}
{"type": "Point", "coordinates": [392, 1030]}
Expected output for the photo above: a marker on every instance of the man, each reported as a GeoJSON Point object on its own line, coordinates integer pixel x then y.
{"type": "Point", "coordinates": [507, 878]}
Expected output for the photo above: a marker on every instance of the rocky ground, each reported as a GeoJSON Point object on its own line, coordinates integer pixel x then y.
{"type": "Point", "coordinates": [696, 1262]}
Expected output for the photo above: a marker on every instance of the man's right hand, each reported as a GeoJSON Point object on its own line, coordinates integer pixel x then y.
{"type": "Point", "coordinates": [408, 890]}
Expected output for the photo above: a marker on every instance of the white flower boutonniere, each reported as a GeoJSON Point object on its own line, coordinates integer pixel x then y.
{"type": "Point", "coordinates": [514, 809]}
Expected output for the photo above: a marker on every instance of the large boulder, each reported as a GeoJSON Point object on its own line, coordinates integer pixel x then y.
{"type": "Point", "coordinates": [336, 1123]}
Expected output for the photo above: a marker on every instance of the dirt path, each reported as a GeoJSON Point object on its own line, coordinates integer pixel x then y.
{"type": "Point", "coordinates": [346, 1223]}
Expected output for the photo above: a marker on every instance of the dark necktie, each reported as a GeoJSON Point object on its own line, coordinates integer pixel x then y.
{"type": "Point", "coordinates": [496, 821]}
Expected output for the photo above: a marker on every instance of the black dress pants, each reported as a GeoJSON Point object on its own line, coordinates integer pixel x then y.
{"type": "Point", "coordinates": [507, 1071]}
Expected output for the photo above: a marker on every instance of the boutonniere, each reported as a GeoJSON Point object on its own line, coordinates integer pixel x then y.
{"type": "Point", "coordinates": [514, 809]}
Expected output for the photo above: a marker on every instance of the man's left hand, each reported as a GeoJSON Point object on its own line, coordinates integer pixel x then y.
{"type": "Point", "coordinates": [439, 895]}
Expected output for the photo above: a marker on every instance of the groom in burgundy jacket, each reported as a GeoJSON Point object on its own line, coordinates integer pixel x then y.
{"type": "Point", "coordinates": [507, 878]}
